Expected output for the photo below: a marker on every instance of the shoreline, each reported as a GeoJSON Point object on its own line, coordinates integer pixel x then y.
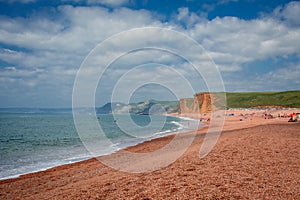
{"type": "Point", "coordinates": [153, 137]}
{"type": "Point", "coordinates": [92, 158]}
{"type": "Point", "coordinates": [227, 127]}
{"type": "Point", "coordinates": [92, 179]}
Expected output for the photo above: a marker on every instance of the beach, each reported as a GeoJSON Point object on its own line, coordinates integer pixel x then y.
{"type": "Point", "coordinates": [254, 158]}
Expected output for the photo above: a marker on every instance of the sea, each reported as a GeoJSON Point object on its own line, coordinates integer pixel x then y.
{"type": "Point", "coordinates": [33, 140]}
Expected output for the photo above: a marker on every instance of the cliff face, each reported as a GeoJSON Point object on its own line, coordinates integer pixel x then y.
{"type": "Point", "coordinates": [156, 107]}
{"type": "Point", "coordinates": [201, 103]}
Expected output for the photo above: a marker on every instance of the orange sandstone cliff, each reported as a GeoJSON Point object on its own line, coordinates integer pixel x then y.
{"type": "Point", "coordinates": [201, 103]}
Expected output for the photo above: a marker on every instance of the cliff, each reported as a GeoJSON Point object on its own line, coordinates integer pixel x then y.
{"type": "Point", "coordinates": [206, 102]}
{"type": "Point", "coordinates": [141, 108]}
{"type": "Point", "coordinates": [201, 103]}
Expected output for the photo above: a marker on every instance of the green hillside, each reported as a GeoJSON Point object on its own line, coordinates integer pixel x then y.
{"type": "Point", "coordinates": [253, 99]}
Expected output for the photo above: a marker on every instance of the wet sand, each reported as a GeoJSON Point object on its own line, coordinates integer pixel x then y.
{"type": "Point", "coordinates": [255, 158]}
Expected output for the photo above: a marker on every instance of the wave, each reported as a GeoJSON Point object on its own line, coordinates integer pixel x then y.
{"type": "Point", "coordinates": [180, 125]}
{"type": "Point", "coordinates": [71, 152]}
{"type": "Point", "coordinates": [41, 166]}
{"type": "Point", "coordinates": [187, 118]}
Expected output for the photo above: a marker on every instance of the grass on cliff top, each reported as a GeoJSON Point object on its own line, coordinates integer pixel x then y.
{"type": "Point", "coordinates": [254, 99]}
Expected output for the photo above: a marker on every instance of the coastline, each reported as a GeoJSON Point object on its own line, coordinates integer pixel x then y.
{"type": "Point", "coordinates": [182, 128]}
{"type": "Point", "coordinates": [91, 179]}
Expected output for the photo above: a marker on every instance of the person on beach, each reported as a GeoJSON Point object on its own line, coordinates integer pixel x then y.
{"type": "Point", "coordinates": [293, 118]}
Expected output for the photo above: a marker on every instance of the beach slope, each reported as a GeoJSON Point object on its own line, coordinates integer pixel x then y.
{"type": "Point", "coordinates": [259, 162]}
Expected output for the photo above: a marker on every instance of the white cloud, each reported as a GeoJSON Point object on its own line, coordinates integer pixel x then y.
{"type": "Point", "coordinates": [238, 41]}
{"type": "Point", "coordinates": [47, 52]}
{"type": "Point", "coordinates": [68, 39]}
{"type": "Point", "coordinates": [290, 13]}
{"type": "Point", "coordinates": [256, 39]}
{"type": "Point", "coordinates": [19, 1]}
{"type": "Point", "coordinates": [189, 19]}
{"type": "Point", "coordinates": [78, 29]}
{"type": "Point", "coordinates": [156, 74]}
{"type": "Point", "coordinates": [286, 77]}
{"type": "Point", "coordinates": [288, 74]}
{"type": "Point", "coordinates": [110, 3]}
{"type": "Point", "coordinates": [226, 1]}
{"type": "Point", "coordinates": [58, 46]}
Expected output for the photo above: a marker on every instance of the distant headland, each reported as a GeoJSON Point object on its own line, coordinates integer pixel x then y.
{"type": "Point", "coordinates": [204, 102]}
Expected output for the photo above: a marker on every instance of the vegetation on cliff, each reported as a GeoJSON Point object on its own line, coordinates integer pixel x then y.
{"type": "Point", "coordinates": [141, 108]}
{"type": "Point", "coordinates": [263, 99]}
{"type": "Point", "coordinates": [289, 99]}
{"type": "Point", "coordinates": [201, 103]}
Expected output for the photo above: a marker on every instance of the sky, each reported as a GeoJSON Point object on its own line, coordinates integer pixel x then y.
{"type": "Point", "coordinates": [253, 44]}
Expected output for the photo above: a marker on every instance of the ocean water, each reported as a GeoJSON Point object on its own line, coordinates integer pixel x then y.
{"type": "Point", "coordinates": [37, 141]}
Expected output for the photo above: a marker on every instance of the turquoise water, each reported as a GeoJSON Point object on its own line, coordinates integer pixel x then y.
{"type": "Point", "coordinates": [36, 141]}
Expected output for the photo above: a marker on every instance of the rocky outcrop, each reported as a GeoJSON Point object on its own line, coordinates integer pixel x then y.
{"type": "Point", "coordinates": [188, 105]}
{"type": "Point", "coordinates": [142, 108]}
{"type": "Point", "coordinates": [205, 102]}
{"type": "Point", "coordinates": [201, 103]}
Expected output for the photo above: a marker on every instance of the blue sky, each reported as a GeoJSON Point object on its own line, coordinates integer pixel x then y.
{"type": "Point", "coordinates": [254, 43]}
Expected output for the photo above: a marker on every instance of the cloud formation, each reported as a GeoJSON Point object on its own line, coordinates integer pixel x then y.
{"type": "Point", "coordinates": [44, 53]}
{"type": "Point", "coordinates": [289, 13]}
{"type": "Point", "coordinates": [20, 1]}
{"type": "Point", "coordinates": [108, 3]}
